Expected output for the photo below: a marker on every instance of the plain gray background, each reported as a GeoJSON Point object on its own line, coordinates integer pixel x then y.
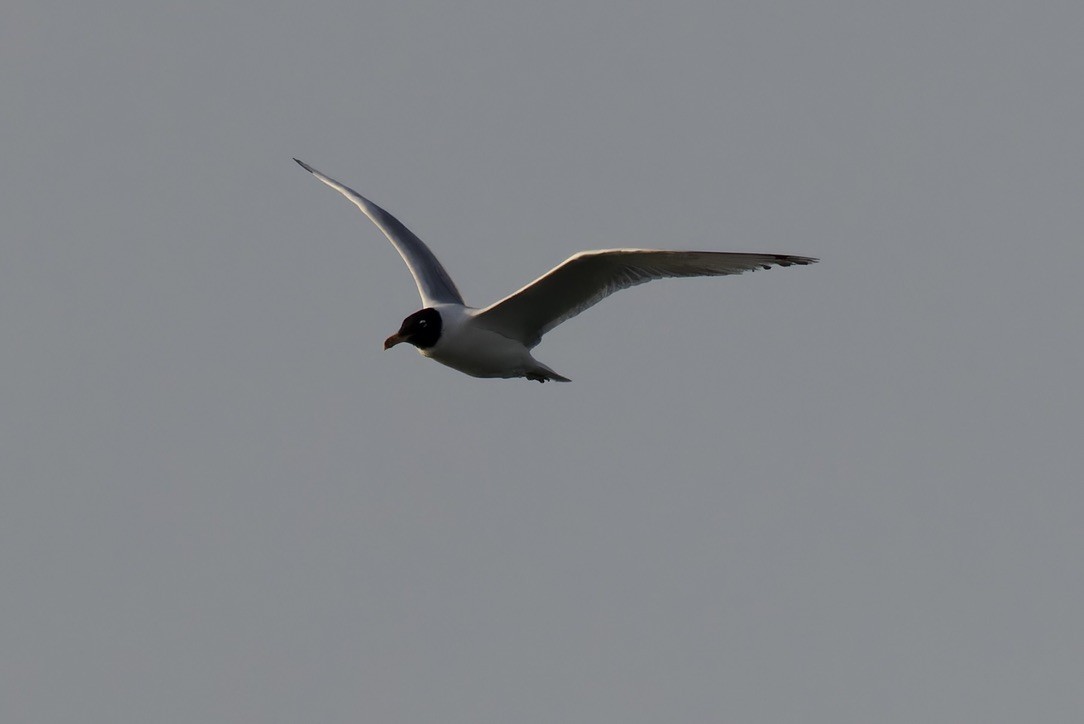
{"type": "Point", "coordinates": [842, 493]}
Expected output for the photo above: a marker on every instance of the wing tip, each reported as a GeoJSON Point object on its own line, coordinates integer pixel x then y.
{"type": "Point", "coordinates": [792, 260]}
{"type": "Point", "coordinates": [305, 166]}
{"type": "Point", "coordinates": [785, 260]}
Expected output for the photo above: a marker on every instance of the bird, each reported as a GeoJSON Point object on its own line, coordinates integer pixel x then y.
{"type": "Point", "coordinates": [496, 341]}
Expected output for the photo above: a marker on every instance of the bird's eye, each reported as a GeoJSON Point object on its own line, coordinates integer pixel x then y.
{"type": "Point", "coordinates": [421, 322]}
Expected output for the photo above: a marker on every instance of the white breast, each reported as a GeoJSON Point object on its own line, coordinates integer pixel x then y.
{"type": "Point", "coordinates": [480, 352]}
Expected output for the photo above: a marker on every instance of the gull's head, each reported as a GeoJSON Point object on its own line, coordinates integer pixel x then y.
{"type": "Point", "coordinates": [421, 329]}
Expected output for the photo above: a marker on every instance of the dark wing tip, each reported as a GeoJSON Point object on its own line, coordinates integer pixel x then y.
{"type": "Point", "coordinates": [785, 260]}
{"type": "Point", "coordinates": [791, 260]}
{"type": "Point", "coordinates": [305, 166]}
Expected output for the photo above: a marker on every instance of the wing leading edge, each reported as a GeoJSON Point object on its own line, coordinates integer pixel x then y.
{"type": "Point", "coordinates": [434, 284]}
{"type": "Point", "coordinates": [587, 278]}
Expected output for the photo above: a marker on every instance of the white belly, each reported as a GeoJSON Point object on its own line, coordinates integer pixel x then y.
{"type": "Point", "coordinates": [481, 353]}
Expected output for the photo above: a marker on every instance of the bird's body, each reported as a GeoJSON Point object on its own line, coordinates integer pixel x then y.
{"type": "Point", "coordinates": [496, 341]}
{"type": "Point", "coordinates": [477, 351]}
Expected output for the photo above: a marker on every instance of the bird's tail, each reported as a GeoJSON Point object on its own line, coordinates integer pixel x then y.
{"type": "Point", "coordinates": [541, 373]}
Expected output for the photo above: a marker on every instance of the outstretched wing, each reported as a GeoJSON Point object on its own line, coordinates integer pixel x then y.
{"type": "Point", "coordinates": [587, 278]}
{"type": "Point", "coordinates": [434, 284]}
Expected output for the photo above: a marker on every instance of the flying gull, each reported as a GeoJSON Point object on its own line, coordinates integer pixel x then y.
{"type": "Point", "coordinates": [496, 341]}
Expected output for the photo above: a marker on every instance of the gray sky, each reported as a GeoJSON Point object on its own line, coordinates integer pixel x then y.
{"type": "Point", "coordinates": [842, 493]}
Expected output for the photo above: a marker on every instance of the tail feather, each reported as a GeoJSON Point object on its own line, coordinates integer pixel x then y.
{"type": "Point", "coordinates": [541, 373]}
